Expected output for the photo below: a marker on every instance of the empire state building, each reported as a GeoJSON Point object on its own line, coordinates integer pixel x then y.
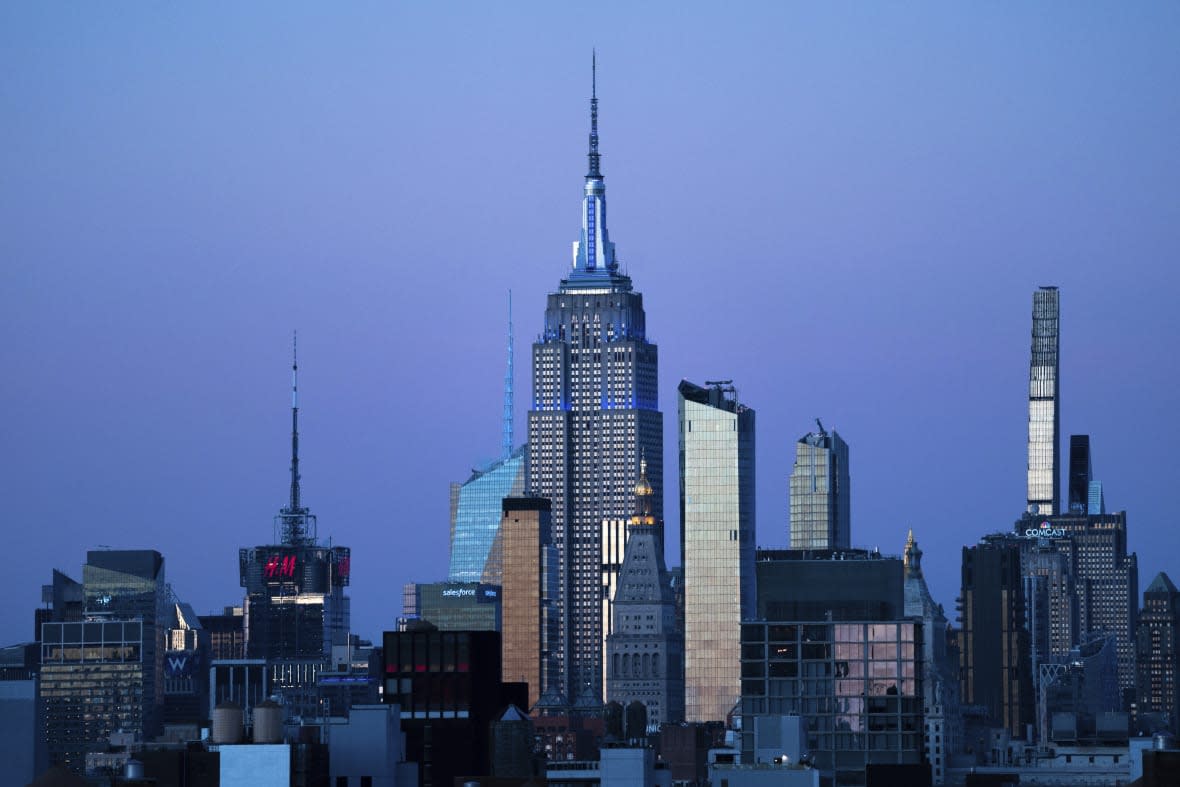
{"type": "Point", "coordinates": [595, 413]}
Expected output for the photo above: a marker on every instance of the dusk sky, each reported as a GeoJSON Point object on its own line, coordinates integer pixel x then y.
{"type": "Point", "coordinates": [845, 208]}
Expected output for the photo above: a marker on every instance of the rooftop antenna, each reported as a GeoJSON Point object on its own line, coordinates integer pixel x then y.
{"type": "Point", "coordinates": [294, 517]}
{"type": "Point", "coordinates": [509, 405]}
{"type": "Point", "coordinates": [594, 172]}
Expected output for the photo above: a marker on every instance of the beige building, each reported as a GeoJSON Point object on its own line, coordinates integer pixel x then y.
{"type": "Point", "coordinates": [526, 611]}
{"type": "Point", "coordinates": [716, 542]}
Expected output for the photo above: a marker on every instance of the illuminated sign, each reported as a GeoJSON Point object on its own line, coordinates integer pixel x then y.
{"type": "Point", "coordinates": [458, 592]}
{"type": "Point", "coordinates": [343, 566]}
{"type": "Point", "coordinates": [1046, 530]}
{"type": "Point", "coordinates": [279, 566]}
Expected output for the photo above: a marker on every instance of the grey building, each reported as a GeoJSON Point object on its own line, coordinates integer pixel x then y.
{"type": "Point", "coordinates": [717, 541]}
{"type": "Point", "coordinates": [994, 645]}
{"type": "Point", "coordinates": [940, 670]}
{"type": "Point", "coordinates": [645, 651]}
{"type": "Point", "coordinates": [1158, 651]}
{"type": "Point", "coordinates": [1044, 405]}
{"type": "Point", "coordinates": [595, 412]}
{"type": "Point", "coordinates": [1102, 580]}
{"type": "Point", "coordinates": [820, 495]}
{"type": "Point", "coordinates": [106, 672]}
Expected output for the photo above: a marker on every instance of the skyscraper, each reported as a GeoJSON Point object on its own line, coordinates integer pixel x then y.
{"type": "Point", "coordinates": [1080, 472]}
{"type": "Point", "coordinates": [820, 496]}
{"type": "Point", "coordinates": [1044, 405]}
{"type": "Point", "coordinates": [477, 553]}
{"type": "Point", "coordinates": [529, 594]}
{"type": "Point", "coordinates": [1102, 581]}
{"type": "Point", "coordinates": [595, 411]}
{"type": "Point", "coordinates": [106, 672]}
{"type": "Point", "coordinates": [1158, 651]}
{"type": "Point", "coordinates": [295, 607]}
{"type": "Point", "coordinates": [994, 647]}
{"type": "Point", "coordinates": [717, 540]}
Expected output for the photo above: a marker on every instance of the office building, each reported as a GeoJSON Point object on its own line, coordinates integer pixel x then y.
{"type": "Point", "coordinates": [1103, 578]}
{"type": "Point", "coordinates": [1158, 649]}
{"type": "Point", "coordinates": [845, 584]}
{"type": "Point", "coordinates": [717, 541]}
{"type": "Point", "coordinates": [994, 644]}
{"type": "Point", "coordinates": [529, 595]}
{"type": "Point", "coordinates": [24, 754]}
{"type": "Point", "coordinates": [820, 494]}
{"type": "Point", "coordinates": [226, 633]}
{"type": "Point", "coordinates": [295, 606]}
{"type": "Point", "coordinates": [454, 606]}
{"type": "Point", "coordinates": [942, 733]}
{"type": "Point", "coordinates": [645, 651]}
{"type": "Point", "coordinates": [448, 687]}
{"type": "Point", "coordinates": [1080, 471]}
{"type": "Point", "coordinates": [858, 686]}
{"type": "Point", "coordinates": [1044, 406]}
{"type": "Point", "coordinates": [594, 412]}
{"type": "Point", "coordinates": [105, 672]}
{"type": "Point", "coordinates": [476, 549]}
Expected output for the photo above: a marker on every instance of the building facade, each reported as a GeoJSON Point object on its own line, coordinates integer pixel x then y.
{"type": "Point", "coordinates": [717, 542]}
{"type": "Point", "coordinates": [1158, 649]}
{"type": "Point", "coordinates": [645, 650]}
{"type": "Point", "coordinates": [105, 672]}
{"type": "Point", "coordinates": [595, 412]}
{"type": "Point", "coordinates": [820, 494]}
{"type": "Point", "coordinates": [940, 686]}
{"type": "Point", "coordinates": [1103, 579]}
{"type": "Point", "coordinates": [1044, 405]}
{"type": "Point", "coordinates": [476, 550]}
{"type": "Point", "coordinates": [454, 606]}
{"type": "Point", "coordinates": [858, 685]}
{"type": "Point", "coordinates": [994, 644]}
{"type": "Point", "coordinates": [529, 596]}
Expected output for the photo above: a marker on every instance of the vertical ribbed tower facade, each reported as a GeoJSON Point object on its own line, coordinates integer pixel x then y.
{"type": "Point", "coordinates": [1044, 405]}
{"type": "Point", "coordinates": [594, 413]}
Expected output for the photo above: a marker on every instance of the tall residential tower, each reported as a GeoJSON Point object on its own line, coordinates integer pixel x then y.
{"type": "Point", "coordinates": [1044, 405]}
{"type": "Point", "coordinates": [594, 413]}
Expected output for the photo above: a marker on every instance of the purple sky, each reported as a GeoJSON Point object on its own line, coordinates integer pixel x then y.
{"type": "Point", "coordinates": [843, 208]}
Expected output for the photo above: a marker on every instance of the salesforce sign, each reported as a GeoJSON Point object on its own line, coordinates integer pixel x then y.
{"type": "Point", "coordinates": [1046, 530]}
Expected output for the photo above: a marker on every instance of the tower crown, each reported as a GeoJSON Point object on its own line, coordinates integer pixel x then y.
{"type": "Point", "coordinates": [594, 254]}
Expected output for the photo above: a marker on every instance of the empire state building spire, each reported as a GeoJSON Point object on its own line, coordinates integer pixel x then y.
{"type": "Point", "coordinates": [593, 252]}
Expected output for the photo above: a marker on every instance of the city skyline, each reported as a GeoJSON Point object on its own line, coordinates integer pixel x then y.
{"type": "Point", "coordinates": [154, 275]}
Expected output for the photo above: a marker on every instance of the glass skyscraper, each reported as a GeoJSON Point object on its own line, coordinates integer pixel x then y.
{"type": "Point", "coordinates": [594, 413]}
{"type": "Point", "coordinates": [820, 495]}
{"type": "Point", "coordinates": [716, 543]}
{"type": "Point", "coordinates": [1044, 405]}
{"type": "Point", "coordinates": [106, 672]}
{"type": "Point", "coordinates": [476, 549]}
